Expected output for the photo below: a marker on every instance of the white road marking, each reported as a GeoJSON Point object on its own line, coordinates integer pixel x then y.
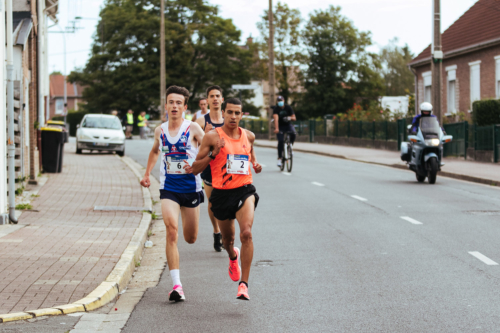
{"type": "Point", "coordinates": [317, 184]}
{"type": "Point", "coordinates": [409, 219]}
{"type": "Point", "coordinates": [263, 165]}
{"type": "Point", "coordinates": [359, 198]}
{"type": "Point", "coordinates": [286, 173]}
{"type": "Point", "coordinates": [483, 258]}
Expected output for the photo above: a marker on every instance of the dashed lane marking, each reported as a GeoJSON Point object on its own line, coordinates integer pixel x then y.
{"type": "Point", "coordinates": [317, 184]}
{"type": "Point", "coordinates": [483, 258]}
{"type": "Point", "coordinates": [286, 173]}
{"type": "Point", "coordinates": [409, 219]}
{"type": "Point", "coordinates": [359, 198]}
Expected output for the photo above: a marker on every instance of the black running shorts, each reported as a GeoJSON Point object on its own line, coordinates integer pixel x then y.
{"type": "Point", "coordinates": [225, 203]}
{"type": "Point", "coordinates": [206, 175]}
{"type": "Point", "coordinates": [189, 200]}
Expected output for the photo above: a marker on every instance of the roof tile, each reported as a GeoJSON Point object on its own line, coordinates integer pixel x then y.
{"type": "Point", "coordinates": [480, 23]}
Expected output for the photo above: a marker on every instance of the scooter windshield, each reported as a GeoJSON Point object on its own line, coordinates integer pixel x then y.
{"type": "Point", "coordinates": [429, 127]}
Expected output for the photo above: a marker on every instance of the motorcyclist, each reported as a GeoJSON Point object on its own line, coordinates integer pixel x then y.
{"type": "Point", "coordinates": [425, 111]}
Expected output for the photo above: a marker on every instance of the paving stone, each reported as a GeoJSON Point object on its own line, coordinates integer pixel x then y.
{"type": "Point", "coordinates": [68, 249]}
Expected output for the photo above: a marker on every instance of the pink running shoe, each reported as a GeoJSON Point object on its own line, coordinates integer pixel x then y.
{"type": "Point", "coordinates": [234, 266]}
{"type": "Point", "coordinates": [243, 292]}
{"type": "Point", "coordinates": [177, 294]}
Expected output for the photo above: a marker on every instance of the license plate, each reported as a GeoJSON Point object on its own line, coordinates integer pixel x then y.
{"type": "Point", "coordinates": [102, 144]}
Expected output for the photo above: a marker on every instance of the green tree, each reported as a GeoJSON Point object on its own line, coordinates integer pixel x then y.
{"type": "Point", "coordinates": [288, 50]}
{"type": "Point", "coordinates": [397, 76]}
{"type": "Point", "coordinates": [124, 68]}
{"type": "Point", "coordinates": [340, 70]}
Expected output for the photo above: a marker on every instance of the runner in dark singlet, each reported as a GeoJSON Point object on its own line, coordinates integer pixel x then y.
{"type": "Point", "coordinates": [208, 123]}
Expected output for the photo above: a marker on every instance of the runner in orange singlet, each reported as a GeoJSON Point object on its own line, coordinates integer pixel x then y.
{"type": "Point", "coordinates": [229, 151]}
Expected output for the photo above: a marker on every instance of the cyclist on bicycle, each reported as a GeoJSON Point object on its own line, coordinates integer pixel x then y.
{"type": "Point", "coordinates": [283, 115]}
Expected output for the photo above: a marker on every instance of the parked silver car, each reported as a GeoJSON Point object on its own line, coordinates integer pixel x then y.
{"type": "Point", "coordinates": [100, 132]}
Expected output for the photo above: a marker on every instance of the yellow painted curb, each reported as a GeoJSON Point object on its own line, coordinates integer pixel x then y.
{"type": "Point", "coordinates": [106, 292]}
{"type": "Point", "coordinates": [45, 312]}
{"type": "Point", "coordinates": [14, 316]}
{"type": "Point", "coordinates": [116, 281]}
{"type": "Point", "coordinates": [71, 308]}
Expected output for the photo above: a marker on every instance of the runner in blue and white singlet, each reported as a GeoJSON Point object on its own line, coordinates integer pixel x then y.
{"type": "Point", "coordinates": [176, 141]}
{"type": "Point", "coordinates": [174, 151]}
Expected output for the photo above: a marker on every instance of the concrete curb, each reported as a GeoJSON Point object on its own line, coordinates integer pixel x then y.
{"type": "Point", "coordinates": [458, 176]}
{"type": "Point", "coordinates": [116, 281]}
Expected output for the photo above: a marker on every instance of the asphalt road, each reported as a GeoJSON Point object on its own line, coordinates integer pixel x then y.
{"type": "Point", "coordinates": [342, 246]}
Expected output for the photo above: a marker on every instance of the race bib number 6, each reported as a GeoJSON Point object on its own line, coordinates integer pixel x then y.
{"type": "Point", "coordinates": [237, 164]}
{"type": "Point", "coordinates": [175, 165]}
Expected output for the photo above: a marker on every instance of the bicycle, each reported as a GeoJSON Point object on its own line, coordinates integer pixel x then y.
{"type": "Point", "coordinates": [287, 156]}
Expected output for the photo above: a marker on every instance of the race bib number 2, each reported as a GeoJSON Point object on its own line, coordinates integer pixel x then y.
{"type": "Point", "coordinates": [237, 164]}
{"type": "Point", "coordinates": [175, 165]}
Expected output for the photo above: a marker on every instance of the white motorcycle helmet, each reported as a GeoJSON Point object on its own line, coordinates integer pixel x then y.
{"type": "Point", "coordinates": [426, 109]}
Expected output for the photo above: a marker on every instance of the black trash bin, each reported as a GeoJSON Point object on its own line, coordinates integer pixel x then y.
{"type": "Point", "coordinates": [52, 149]}
{"type": "Point", "coordinates": [59, 124]}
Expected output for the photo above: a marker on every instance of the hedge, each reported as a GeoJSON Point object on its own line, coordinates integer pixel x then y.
{"type": "Point", "coordinates": [486, 112]}
{"type": "Point", "coordinates": [73, 119]}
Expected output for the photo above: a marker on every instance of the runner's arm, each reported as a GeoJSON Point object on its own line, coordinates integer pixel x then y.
{"type": "Point", "coordinates": [153, 157]}
{"type": "Point", "coordinates": [253, 158]}
{"type": "Point", "coordinates": [210, 140]}
{"type": "Point", "coordinates": [201, 121]}
{"type": "Point", "coordinates": [197, 132]}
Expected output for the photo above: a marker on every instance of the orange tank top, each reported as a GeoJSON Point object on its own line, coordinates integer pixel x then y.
{"type": "Point", "coordinates": [231, 167]}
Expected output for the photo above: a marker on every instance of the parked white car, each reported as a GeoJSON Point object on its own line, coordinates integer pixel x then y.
{"type": "Point", "coordinates": [100, 132]}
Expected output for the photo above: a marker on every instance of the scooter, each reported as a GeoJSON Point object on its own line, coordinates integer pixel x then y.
{"type": "Point", "coordinates": [423, 154]}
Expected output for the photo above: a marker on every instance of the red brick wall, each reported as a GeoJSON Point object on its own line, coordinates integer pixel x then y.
{"type": "Point", "coordinates": [72, 104]}
{"type": "Point", "coordinates": [488, 67]}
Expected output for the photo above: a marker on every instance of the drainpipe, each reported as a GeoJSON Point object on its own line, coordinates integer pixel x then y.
{"type": "Point", "coordinates": [11, 146]}
{"type": "Point", "coordinates": [416, 89]}
{"type": "Point", "coordinates": [41, 63]}
{"type": "Point", "coordinates": [4, 216]}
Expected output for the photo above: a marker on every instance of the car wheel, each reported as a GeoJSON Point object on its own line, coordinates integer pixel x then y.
{"type": "Point", "coordinates": [78, 151]}
{"type": "Point", "coordinates": [121, 153]}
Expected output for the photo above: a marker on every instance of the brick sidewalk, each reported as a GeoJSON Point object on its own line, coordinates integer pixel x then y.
{"type": "Point", "coordinates": [66, 249]}
{"type": "Point", "coordinates": [488, 171]}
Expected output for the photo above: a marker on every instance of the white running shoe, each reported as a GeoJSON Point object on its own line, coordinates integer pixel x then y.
{"type": "Point", "coordinates": [279, 163]}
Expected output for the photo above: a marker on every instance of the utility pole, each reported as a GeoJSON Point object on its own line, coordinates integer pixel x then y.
{"type": "Point", "coordinates": [272, 97]}
{"type": "Point", "coordinates": [162, 59]}
{"type": "Point", "coordinates": [437, 60]}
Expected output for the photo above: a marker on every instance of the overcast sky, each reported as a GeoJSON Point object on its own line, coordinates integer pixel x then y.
{"type": "Point", "coordinates": [409, 20]}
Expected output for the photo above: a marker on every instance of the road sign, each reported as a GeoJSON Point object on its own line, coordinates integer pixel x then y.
{"type": "Point", "coordinates": [244, 87]}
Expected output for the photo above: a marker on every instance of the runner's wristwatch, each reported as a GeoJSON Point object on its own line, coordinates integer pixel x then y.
{"type": "Point", "coordinates": [211, 155]}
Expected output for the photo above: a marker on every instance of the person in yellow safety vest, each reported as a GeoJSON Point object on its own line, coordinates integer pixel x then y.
{"type": "Point", "coordinates": [188, 115]}
{"type": "Point", "coordinates": [142, 123]}
{"type": "Point", "coordinates": [129, 124]}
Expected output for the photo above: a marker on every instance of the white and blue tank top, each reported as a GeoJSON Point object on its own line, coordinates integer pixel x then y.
{"type": "Point", "coordinates": [174, 150]}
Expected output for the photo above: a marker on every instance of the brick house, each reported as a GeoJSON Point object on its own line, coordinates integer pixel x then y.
{"type": "Point", "coordinates": [74, 93]}
{"type": "Point", "coordinates": [471, 63]}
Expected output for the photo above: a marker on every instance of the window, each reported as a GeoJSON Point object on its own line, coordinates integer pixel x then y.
{"type": "Point", "coordinates": [427, 86]}
{"type": "Point", "coordinates": [497, 77]}
{"type": "Point", "coordinates": [475, 82]}
{"type": "Point", "coordinates": [451, 88]}
{"type": "Point", "coordinates": [59, 106]}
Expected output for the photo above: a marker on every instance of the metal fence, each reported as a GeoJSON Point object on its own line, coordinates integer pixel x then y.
{"type": "Point", "coordinates": [464, 135]}
{"type": "Point", "coordinates": [458, 147]}
{"type": "Point", "coordinates": [256, 126]}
